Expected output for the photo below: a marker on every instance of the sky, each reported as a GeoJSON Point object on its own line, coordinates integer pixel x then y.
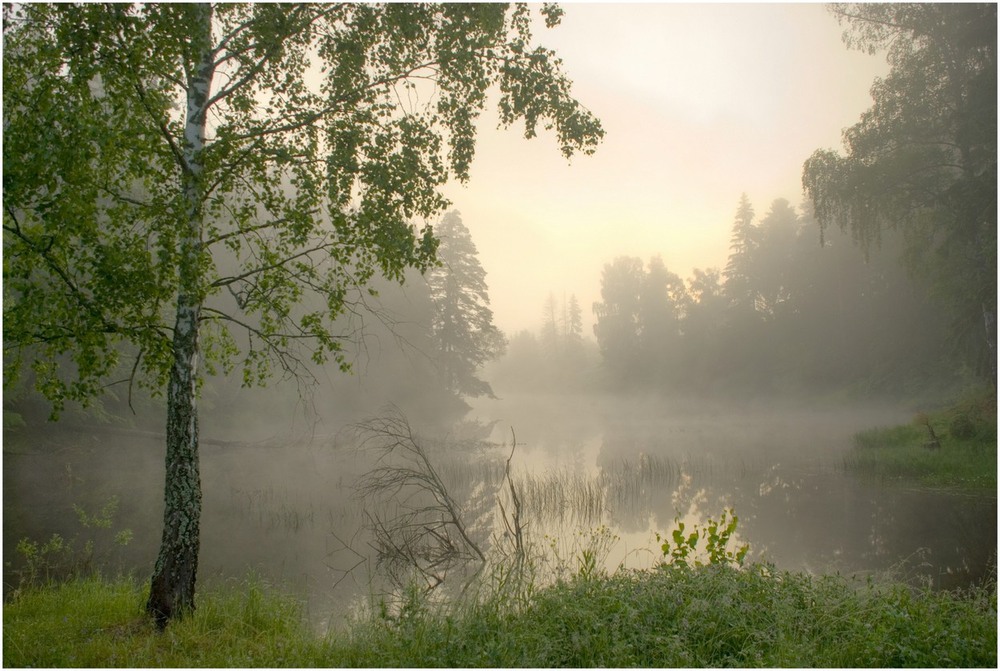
{"type": "Point", "coordinates": [700, 103]}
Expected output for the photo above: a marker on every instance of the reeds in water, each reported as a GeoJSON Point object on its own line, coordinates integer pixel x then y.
{"type": "Point", "coordinates": [569, 496]}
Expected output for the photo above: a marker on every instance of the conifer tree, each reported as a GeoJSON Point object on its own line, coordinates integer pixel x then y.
{"type": "Point", "coordinates": [462, 323]}
{"type": "Point", "coordinates": [739, 269]}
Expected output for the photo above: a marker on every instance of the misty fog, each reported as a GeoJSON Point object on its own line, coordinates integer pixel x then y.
{"type": "Point", "coordinates": [637, 371]}
{"type": "Point", "coordinates": [280, 464]}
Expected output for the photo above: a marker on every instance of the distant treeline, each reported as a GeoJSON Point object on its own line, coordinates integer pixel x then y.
{"type": "Point", "coordinates": [791, 311]}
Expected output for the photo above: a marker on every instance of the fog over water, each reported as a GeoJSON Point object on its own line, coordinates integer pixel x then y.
{"type": "Point", "coordinates": [613, 433]}
{"type": "Point", "coordinates": [280, 500]}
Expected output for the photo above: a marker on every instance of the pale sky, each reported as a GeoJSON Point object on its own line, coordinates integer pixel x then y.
{"type": "Point", "coordinates": [700, 103]}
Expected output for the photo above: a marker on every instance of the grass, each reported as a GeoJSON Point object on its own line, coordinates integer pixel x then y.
{"type": "Point", "coordinates": [966, 459]}
{"type": "Point", "coordinates": [91, 622]}
{"type": "Point", "coordinates": [710, 616]}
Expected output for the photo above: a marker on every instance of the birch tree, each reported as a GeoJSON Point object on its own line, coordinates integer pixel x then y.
{"type": "Point", "coordinates": [192, 188]}
{"type": "Point", "coordinates": [923, 158]}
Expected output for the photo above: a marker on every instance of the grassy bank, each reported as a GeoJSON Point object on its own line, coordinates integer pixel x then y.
{"type": "Point", "coordinates": [710, 616]}
{"type": "Point", "coordinates": [953, 448]}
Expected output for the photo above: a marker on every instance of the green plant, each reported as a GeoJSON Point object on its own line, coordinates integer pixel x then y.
{"type": "Point", "coordinates": [42, 560]}
{"type": "Point", "coordinates": [965, 432]}
{"type": "Point", "coordinates": [711, 618]}
{"type": "Point", "coordinates": [12, 421]}
{"type": "Point", "coordinates": [587, 557]}
{"type": "Point", "coordinates": [962, 427]}
{"type": "Point", "coordinates": [59, 558]}
{"type": "Point", "coordinates": [680, 548]}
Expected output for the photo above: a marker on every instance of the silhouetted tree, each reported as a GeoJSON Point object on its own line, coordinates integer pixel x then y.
{"type": "Point", "coordinates": [703, 328]}
{"type": "Point", "coordinates": [739, 280]}
{"type": "Point", "coordinates": [824, 316]}
{"type": "Point", "coordinates": [550, 335]}
{"type": "Point", "coordinates": [617, 327]}
{"type": "Point", "coordinates": [773, 262]}
{"type": "Point", "coordinates": [923, 158]}
{"type": "Point", "coordinates": [663, 304]}
{"type": "Point", "coordinates": [559, 359]}
{"type": "Point", "coordinates": [462, 323]}
{"type": "Point", "coordinates": [573, 320]}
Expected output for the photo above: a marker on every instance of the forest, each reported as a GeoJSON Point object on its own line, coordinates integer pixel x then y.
{"type": "Point", "coordinates": [795, 310]}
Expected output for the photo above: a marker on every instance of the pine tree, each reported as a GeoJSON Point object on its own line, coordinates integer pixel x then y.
{"type": "Point", "coordinates": [462, 323]}
{"type": "Point", "coordinates": [574, 326]}
{"type": "Point", "coordinates": [550, 325]}
{"type": "Point", "coordinates": [738, 274]}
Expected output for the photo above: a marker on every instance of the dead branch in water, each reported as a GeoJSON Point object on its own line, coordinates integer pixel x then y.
{"type": "Point", "coordinates": [415, 523]}
{"type": "Point", "coordinates": [512, 522]}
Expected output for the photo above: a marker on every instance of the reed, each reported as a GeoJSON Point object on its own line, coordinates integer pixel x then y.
{"type": "Point", "coordinates": [573, 497]}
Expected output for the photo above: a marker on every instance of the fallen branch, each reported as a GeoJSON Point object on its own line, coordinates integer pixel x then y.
{"type": "Point", "coordinates": [416, 525]}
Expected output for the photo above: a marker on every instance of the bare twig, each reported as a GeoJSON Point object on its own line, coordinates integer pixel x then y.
{"type": "Point", "coordinates": [416, 524]}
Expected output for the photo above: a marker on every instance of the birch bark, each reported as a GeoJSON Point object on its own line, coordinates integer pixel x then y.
{"type": "Point", "coordinates": [173, 582]}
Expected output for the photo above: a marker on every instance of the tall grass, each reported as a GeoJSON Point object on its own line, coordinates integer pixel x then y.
{"type": "Point", "coordinates": [566, 495]}
{"type": "Point", "coordinates": [679, 613]}
{"type": "Point", "coordinates": [710, 616]}
{"type": "Point", "coordinates": [91, 622]}
{"type": "Point", "coordinates": [571, 496]}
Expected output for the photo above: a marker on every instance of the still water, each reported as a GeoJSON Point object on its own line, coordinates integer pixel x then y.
{"type": "Point", "coordinates": [588, 472]}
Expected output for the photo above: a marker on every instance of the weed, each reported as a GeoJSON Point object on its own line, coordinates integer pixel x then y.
{"type": "Point", "coordinates": [59, 558]}
{"type": "Point", "coordinates": [709, 616]}
{"type": "Point", "coordinates": [680, 547]}
{"type": "Point", "coordinates": [587, 555]}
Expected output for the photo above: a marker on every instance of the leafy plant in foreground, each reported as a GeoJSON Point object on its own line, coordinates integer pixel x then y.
{"type": "Point", "coordinates": [679, 548]}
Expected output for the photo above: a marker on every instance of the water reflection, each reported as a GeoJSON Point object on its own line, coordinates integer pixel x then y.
{"type": "Point", "coordinates": [798, 507]}
{"type": "Point", "coordinates": [290, 514]}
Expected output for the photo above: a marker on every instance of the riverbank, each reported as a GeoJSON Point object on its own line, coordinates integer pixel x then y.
{"type": "Point", "coordinates": [671, 616]}
{"type": "Point", "coordinates": [952, 448]}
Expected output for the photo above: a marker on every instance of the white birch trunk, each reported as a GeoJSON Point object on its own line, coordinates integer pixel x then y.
{"type": "Point", "coordinates": [173, 581]}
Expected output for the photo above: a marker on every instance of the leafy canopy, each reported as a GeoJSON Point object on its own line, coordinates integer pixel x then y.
{"type": "Point", "coordinates": [331, 128]}
{"type": "Point", "coordinates": [923, 158]}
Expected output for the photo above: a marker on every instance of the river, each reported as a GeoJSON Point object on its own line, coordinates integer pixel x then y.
{"type": "Point", "coordinates": [590, 470]}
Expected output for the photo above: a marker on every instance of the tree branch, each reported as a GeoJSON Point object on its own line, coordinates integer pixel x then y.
{"type": "Point", "coordinates": [225, 281]}
{"type": "Point", "coordinates": [175, 149]}
{"type": "Point", "coordinates": [334, 106]}
{"type": "Point", "coordinates": [244, 231]}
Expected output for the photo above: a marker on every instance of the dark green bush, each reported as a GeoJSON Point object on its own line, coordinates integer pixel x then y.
{"type": "Point", "coordinates": [962, 427]}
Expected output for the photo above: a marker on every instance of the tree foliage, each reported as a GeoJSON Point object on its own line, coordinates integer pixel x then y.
{"type": "Point", "coordinates": [192, 186]}
{"type": "Point", "coordinates": [742, 249]}
{"type": "Point", "coordinates": [617, 327]}
{"type": "Point", "coordinates": [792, 314]}
{"type": "Point", "coordinates": [309, 184]}
{"type": "Point", "coordinates": [558, 358]}
{"type": "Point", "coordinates": [639, 319]}
{"type": "Point", "coordinates": [462, 322]}
{"type": "Point", "coordinates": [923, 158]}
